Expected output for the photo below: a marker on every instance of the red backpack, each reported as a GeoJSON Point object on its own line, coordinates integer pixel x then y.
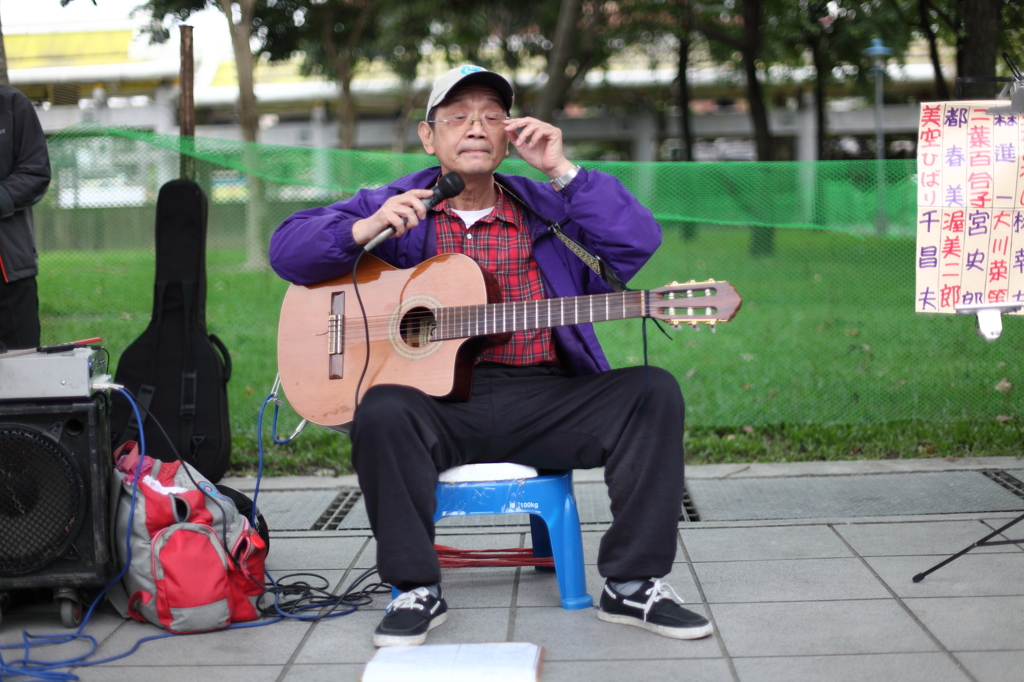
{"type": "Point", "coordinates": [196, 563]}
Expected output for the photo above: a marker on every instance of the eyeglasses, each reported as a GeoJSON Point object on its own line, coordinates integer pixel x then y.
{"type": "Point", "coordinates": [494, 120]}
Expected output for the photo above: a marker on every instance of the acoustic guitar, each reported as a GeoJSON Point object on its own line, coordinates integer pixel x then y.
{"type": "Point", "coordinates": [426, 324]}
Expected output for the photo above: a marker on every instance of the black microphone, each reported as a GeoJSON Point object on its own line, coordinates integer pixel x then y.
{"type": "Point", "coordinates": [448, 186]}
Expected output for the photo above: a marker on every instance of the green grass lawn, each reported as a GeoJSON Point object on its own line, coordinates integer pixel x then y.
{"type": "Point", "coordinates": [825, 360]}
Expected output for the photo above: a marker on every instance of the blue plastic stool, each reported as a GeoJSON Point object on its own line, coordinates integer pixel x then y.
{"type": "Point", "coordinates": [554, 521]}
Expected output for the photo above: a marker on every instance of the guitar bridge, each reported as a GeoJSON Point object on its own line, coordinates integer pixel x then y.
{"type": "Point", "coordinates": [336, 336]}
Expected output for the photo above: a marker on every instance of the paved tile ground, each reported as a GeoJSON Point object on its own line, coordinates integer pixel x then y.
{"type": "Point", "coordinates": [794, 600]}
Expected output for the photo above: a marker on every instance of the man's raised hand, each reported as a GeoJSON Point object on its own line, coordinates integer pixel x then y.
{"type": "Point", "coordinates": [540, 145]}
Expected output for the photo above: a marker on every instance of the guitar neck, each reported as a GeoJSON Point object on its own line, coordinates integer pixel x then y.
{"type": "Point", "coordinates": [499, 318]}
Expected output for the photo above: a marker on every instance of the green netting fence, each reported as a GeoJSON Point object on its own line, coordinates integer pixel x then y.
{"type": "Point", "coordinates": [827, 332]}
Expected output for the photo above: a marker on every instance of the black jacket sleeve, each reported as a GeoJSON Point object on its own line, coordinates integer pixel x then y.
{"type": "Point", "coordinates": [25, 170]}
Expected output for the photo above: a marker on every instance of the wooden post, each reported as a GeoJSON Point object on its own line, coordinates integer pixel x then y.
{"type": "Point", "coordinates": [186, 104]}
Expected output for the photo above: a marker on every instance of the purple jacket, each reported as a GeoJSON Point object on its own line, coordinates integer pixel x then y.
{"type": "Point", "coordinates": [594, 209]}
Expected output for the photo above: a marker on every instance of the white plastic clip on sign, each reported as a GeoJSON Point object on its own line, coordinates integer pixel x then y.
{"type": "Point", "coordinates": [990, 317]}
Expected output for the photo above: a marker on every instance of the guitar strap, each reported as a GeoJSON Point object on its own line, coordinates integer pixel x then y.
{"type": "Point", "coordinates": [593, 261]}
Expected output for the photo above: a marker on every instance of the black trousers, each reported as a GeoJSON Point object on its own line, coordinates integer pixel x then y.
{"type": "Point", "coordinates": [19, 313]}
{"type": "Point", "coordinates": [627, 422]}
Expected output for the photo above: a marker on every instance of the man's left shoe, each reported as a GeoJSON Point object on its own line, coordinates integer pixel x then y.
{"type": "Point", "coordinates": [655, 607]}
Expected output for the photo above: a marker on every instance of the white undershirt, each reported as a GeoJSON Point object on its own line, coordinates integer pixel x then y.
{"type": "Point", "coordinates": [470, 217]}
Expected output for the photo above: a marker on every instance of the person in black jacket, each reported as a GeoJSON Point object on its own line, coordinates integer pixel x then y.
{"type": "Point", "coordinates": [24, 178]}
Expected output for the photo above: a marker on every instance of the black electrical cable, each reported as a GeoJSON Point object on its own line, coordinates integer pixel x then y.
{"type": "Point", "coordinates": [366, 329]}
{"type": "Point", "coordinates": [292, 599]}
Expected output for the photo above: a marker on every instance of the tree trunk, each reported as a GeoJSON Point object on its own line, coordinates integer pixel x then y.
{"type": "Point", "coordinates": [558, 59]}
{"type": "Point", "coordinates": [344, 67]}
{"type": "Point", "coordinates": [3, 60]}
{"type": "Point", "coordinates": [925, 24]}
{"type": "Point", "coordinates": [255, 207]}
{"type": "Point", "coordinates": [752, 38]}
{"type": "Point", "coordinates": [683, 96]}
{"type": "Point", "coordinates": [980, 46]}
{"type": "Point", "coordinates": [762, 239]}
{"type": "Point", "coordinates": [241, 33]}
{"type": "Point", "coordinates": [398, 144]}
{"type": "Point", "coordinates": [346, 112]}
{"type": "Point", "coordinates": [821, 72]}
{"type": "Point", "coordinates": [749, 46]}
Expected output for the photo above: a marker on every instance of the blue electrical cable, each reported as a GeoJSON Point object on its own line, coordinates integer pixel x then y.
{"type": "Point", "coordinates": [259, 442]}
{"type": "Point", "coordinates": [313, 604]}
{"type": "Point", "coordinates": [26, 667]}
{"type": "Point", "coordinates": [47, 670]}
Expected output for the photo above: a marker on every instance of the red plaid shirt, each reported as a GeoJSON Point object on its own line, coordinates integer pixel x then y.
{"type": "Point", "coordinates": [500, 243]}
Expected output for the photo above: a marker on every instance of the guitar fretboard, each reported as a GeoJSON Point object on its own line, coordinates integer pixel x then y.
{"type": "Point", "coordinates": [498, 318]}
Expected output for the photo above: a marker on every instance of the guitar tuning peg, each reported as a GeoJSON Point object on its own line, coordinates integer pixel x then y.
{"type": "Point", "coordinates": [696, 327]}
{"type": "Point", "coordinates": [677, 327]}
{"type": "Point", "coordinates": [713, 327]}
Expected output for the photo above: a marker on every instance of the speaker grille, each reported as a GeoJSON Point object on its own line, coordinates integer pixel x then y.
{"type": "Point", "coordinates": [42, 499]}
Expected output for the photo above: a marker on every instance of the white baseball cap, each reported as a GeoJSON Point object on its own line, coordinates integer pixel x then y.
{"type": "Point", "coordinates": [466, 75]}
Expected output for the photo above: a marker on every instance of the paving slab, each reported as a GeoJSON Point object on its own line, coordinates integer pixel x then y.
{"type": "Point", "coordinates": [994, 666]}
{"type": "Point", "coordinates": [817, 497]}
{"type": "Point", "coordinates": [815, 628]}
{"type": "Point", "coordinates": [974, 623]}
{"type": "Point", "coordinates": [934, 667]}
{"type": "Point", "coordinates": [161, 673]}
{"type": "Point", "coordinates": [977, 575]}
{"type": "Point", "coordinates": [268, 645]}
{"type": "Point", "coordinates": [850, 467]}
{"type": "Point", "coordinates": [336, 672]}
{"type": "Point", "coordinates": [472, 587]}
{"type": "Point", "coordinates": [315, 554]}
{"type": "Point", "coordinates": [920, 538]}
{"type": "Point", "coordinates": [703, 669]}
{"type": "Point", "coordinates": [788, 580]}
{"type": "Point", "coordinates": [350, 640]}
{"type": "Point", "coordinates": [757, 544]}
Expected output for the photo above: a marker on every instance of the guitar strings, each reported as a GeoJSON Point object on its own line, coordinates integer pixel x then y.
{"type": "Point", "coordinates": [457, 316]}
{"type": "Point", "coordinates": [455, 320]}
{"type": "Point", "coordinates": [468, 325]}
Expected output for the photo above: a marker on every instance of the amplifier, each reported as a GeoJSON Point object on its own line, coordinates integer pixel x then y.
{"type": "Point", "coordinates": [40, 376]}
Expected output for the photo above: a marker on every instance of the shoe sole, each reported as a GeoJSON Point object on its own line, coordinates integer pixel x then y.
{"type": "Point", "coordinates": [410, 640]}
{"type": "Point", "coordinates": [663, 630]}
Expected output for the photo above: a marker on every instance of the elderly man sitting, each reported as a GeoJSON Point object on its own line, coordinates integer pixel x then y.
{"type": "Point", "coordinates": [545, 398]}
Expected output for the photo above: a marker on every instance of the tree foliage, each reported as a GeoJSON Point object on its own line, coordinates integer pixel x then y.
{"type": "Point", "coordinates": [760, 43]}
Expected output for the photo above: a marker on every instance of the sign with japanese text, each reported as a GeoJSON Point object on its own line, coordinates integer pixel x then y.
{"type": "Point", "coordinates": [970, 206]}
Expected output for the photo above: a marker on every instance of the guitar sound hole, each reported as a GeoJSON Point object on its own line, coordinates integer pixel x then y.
{"type": "Point", "coordinates": [417, 327]}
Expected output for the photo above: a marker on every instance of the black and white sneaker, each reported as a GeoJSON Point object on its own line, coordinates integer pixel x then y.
{"type": "Point", "coordinates": [656, 607]}
{"type": "Point", "coordinates": [409, 618]}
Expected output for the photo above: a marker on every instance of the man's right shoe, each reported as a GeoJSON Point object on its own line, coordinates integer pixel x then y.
{"type": "Point", "coordinates": [654, 607]}
{"type": "Point", "coordinates": [409, 618]}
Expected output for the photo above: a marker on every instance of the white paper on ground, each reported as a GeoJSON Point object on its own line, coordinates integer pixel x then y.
{"type": "Point", "coordinates": [492, 662]}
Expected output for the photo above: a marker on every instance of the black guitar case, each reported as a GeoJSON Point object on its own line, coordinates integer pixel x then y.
{"type": "Point", "coordinates": [178, 371]}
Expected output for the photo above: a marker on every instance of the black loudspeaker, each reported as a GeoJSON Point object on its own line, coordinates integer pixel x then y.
{"type": "Point", "coordinates": [55, 467]}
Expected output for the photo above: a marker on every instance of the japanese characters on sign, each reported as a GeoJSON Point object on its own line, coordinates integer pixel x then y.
{"type": "Point", "coordinates": [970, 206]}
